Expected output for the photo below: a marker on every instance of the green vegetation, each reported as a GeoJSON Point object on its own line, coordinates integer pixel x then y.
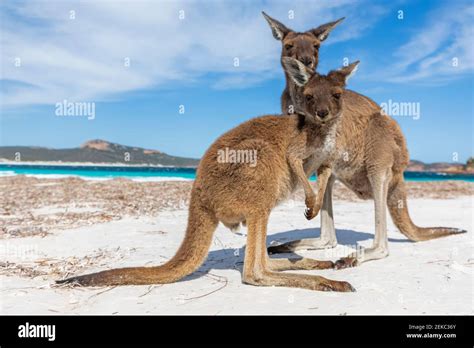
{"type": "Point", "coordinates": [108, 153]}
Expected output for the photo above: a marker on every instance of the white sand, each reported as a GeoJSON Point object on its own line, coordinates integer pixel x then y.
{"type": "Point", "coordinates": [101, 178]}
{"type": "Point", "coordinates": [434, 277]}
{"type": "Point", "coordinates": [97, 178]}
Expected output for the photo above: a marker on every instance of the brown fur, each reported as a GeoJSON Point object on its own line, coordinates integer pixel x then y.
{"type": "Point", "coordinates": [234, 193]}
{"type": "Point", "coordinates": [369, 146]}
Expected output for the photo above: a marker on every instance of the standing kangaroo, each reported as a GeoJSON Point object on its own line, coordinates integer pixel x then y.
{"type": "Point", "coordinates": [370, 153]}
{"type": "Point", "coordinates": [235, 193]}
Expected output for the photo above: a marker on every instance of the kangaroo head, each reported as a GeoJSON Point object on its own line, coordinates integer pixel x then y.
{"type": "Point", "coordinates": [320, 96]}
{"type": "Point", "coordinates": [301, 46]}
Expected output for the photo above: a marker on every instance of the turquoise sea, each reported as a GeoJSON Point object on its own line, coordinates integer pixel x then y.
{"type": "Point", "coordinates": [161, 173]}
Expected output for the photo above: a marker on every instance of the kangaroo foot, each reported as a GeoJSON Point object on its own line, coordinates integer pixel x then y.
{"type": "Point", "coordinates": [346, 262]}
{"type": "Point", "coordinates": [298, 264]}
{"type": "Point", "coordinates": [298, 281]}
{"type": "Point", "coordinates": [355, 259]}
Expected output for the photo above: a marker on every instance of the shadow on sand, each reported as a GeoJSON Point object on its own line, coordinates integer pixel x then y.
{"type": "Point", "coordinates": [228, 258]}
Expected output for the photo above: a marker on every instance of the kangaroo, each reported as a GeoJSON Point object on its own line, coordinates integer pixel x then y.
{"type": "Point", "coordinates": [371, 156]}
{"type": "Point", "coordinates": [235, 193]}
{"type": "Point", "coordinates": [301, 46]}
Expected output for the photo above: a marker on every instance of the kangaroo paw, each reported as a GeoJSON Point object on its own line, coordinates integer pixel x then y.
{"type": "Point", "coordinates": [310, 213]}
{"type": "Point", "coordinates": [346, 262]}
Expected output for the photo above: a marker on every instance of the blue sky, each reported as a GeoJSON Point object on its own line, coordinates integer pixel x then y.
{"type": "Point", "coordinates": [79, 56]}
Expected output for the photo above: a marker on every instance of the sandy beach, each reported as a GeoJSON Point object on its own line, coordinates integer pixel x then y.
{"type": "Point", "coordinates": [52, 228]}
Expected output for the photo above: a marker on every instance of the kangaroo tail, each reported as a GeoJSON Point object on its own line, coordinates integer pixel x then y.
{"type": "Point", "coordinates": [397, 206]}
{"type": "Point", "coordinates": [190, 255]}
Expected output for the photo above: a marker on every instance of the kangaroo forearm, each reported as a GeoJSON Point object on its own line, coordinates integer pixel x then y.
{"type": "Point", "coordinates": [297, 167]}
{"type": "Point", "coordinates": [285, 102]}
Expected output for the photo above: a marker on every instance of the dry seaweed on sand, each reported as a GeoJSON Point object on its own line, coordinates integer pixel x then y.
{"type": "Point", "coordinates": [34, 207]}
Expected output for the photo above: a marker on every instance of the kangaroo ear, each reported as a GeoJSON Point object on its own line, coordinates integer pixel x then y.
{"type": "Point", "coordinates": [343, 74]}
{"type": "Point", "coordinates": [278, 30]}
{"type": "Point", "coordinates": [298, 72]}
{"type": "Point", "coordinates": [322, 32]}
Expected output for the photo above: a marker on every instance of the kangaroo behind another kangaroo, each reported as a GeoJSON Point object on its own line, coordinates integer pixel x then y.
{"type": "Point", "coordinates": [370, 153]}
{"type": "Point", "coordinates": [235, 193]}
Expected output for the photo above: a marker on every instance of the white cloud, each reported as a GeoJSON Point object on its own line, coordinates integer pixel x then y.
{"type": "Point", "coordinates": [83, 58]}
{"type": "Point", "coordinates": [429, 57]}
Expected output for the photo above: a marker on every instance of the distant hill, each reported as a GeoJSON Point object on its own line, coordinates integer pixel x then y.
{"type": "Point", "coordinates": [96, 151]}
{"type": "Point", "coordinates": [441, 167]}
{"type": "Point", "coordinates": [101, 151]}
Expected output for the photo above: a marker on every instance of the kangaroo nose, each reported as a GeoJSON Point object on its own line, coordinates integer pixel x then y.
{"type": "Point", "coordinates": [306, 61]}
{"type": "Point", "coordinates": [323, 113]}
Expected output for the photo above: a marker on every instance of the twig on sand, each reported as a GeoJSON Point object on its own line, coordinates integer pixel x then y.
{"type": "Point", "coordinates": [101, 292]}
{"type": "Point", "coordinates": [438, 261]}
{"type": "Point", "coordinates": [216, 277]}
{"type": "Point", "coordinates": [216, 239]}
{"type": "Point", "coordinates": [72, 285]}
{"type": "Point", "coordinates": [150, 289]}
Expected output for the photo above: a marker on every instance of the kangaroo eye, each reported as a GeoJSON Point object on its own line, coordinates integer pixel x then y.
{"type": "Point", "coordinates": [288, 47]}
{"type": "Point", "coordinates": [308, 97]}
{"type": "Point", "coordinates": [337, 95]}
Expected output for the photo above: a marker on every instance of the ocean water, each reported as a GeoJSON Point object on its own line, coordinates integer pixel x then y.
{"type": "Point", "coordinates": [160, 173]}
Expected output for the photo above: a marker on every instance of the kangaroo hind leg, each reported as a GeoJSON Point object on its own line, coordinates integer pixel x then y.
{"type": "Point", "coordinates": [257, 269]}
{"type": "Point", "coordinates": [379, 248]}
